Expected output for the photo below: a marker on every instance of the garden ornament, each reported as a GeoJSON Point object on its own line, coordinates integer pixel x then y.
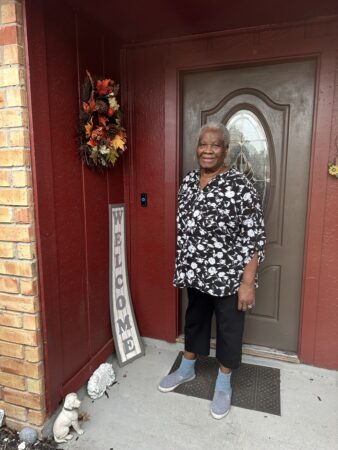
{"type": "Point", "coordinates": [67, 418]}
{"type": "Point", "coordinates": [28, 435]}
{"type": "Point", "coordinates": [103, 377]}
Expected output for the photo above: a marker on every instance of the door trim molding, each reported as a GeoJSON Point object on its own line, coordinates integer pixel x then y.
{"type": "Point", "coordinates": [270, 353]}
{"type": "Point", "coordinates": [306, 24]}
{"type": "Point", "coordinates": [257, 350]}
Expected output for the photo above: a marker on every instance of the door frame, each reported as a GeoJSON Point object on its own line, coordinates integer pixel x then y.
{"type": "Point", "coordinates": [238, 50]}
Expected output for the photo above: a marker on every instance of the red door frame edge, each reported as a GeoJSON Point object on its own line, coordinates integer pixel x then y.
{"type": "Point", "coordinates": [171, 180]}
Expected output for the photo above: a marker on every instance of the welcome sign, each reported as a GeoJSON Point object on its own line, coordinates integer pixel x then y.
{"type": "Point", "coordinates": [126, 335]}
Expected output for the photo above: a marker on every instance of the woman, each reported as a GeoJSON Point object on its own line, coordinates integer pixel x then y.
{"type": "Point", "coordinates": [220, 242]}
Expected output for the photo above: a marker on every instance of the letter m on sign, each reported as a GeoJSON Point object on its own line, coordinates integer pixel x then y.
{"type": "Point", "coordinates": [127, 339]}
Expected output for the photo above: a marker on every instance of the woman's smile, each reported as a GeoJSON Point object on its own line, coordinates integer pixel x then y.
{"type": "Point", "coordinates": [207, 158]}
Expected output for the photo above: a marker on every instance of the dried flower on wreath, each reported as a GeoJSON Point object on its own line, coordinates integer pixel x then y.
{"type": "Point", "coordinates": [333, 165]}
{"type": "Point", "coordinates": [102, 137]}
{"type": "Point", "coordinates": [333, 169]}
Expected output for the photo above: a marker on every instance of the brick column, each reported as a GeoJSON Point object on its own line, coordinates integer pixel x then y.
{"type": "Point", "coordinates": [21, 355]}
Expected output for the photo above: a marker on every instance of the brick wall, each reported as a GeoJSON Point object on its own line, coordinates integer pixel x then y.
{"type": "Point", "coordinates": [21, 355]}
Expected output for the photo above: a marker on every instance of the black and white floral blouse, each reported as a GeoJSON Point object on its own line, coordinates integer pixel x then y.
{"type": "Point", "coordinates": [219, 229]}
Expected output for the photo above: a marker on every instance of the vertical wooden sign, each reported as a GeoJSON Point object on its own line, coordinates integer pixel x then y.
{"type": "Point", "coordinates": [127, 340]}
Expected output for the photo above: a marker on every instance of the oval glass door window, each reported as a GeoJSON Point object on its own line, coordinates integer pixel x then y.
{"type": "Point", "coordinates": [249, 151]}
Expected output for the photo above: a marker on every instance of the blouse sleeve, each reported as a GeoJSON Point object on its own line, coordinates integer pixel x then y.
{"type": "Point", "coordinates": [252, 232]}
{"type": "Point", "coordinates": [180, 216]}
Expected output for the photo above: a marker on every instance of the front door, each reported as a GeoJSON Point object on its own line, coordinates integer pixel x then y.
{"type": "Point", "coordinates": [268, 110]}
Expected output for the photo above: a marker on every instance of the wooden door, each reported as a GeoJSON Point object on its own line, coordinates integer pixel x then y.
{"type": "Point", "coordinates": [269, 111]}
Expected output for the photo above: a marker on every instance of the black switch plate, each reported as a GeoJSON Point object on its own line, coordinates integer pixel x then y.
{"type": "Point", "coordinates": [144, 199]}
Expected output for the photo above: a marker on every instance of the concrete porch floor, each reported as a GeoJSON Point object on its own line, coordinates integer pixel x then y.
{"type": "Point", "coordinates": [136, 416]}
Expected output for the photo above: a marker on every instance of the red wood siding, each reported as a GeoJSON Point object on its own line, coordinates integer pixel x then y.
{"type": "Point", "coordinates": [154, 298]}
{"type": "Point", "coordinates": [153, 167]}
{"type": "Point", "coordinates": [320, 336]}
{"type": "Point", "coordinates": [154, 19]}
{"type": "Point", "coordinates": [71, 201]}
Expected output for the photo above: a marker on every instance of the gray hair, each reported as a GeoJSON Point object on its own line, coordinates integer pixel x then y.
{"type": "Point", "coordinates": [216, 126]}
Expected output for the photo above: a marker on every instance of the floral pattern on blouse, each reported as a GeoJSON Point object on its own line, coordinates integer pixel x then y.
{"type": "Point", "coordinates": [219, 229]}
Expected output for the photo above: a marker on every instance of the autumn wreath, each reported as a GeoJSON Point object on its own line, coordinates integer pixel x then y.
{"type": "Point", "coordinates": [102, 137]}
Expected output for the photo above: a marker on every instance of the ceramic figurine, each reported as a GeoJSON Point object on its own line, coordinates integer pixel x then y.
{"type": "Point", "coordinates": [103, 377]}
{"type": "Point", "coordinates": [67, 418]}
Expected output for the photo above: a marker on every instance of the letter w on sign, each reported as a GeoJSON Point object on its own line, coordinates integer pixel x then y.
{"type": "Point", "coordinates": [127, 339]}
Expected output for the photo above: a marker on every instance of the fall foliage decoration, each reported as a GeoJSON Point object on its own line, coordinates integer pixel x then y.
{"type": "Point", "coordinates": [102, 137]}
{"type": "Point", "coordinates": [333, 168]}
{"type": "Point", "coordinates": [333, 165]}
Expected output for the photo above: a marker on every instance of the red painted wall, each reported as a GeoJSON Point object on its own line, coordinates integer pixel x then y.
{"type": "Point", "coordinates": [152, 72]}
{"type": "Point", "coordinates": [154, 298]}
{"type": "Point", "coordinates": [325, 352]}
{"type": "Point", "coordinates": [155, 19]}
{"type": "Point", "coordinates": [322, 348]}
{"type": "Point", "coordinates": [71, 200]}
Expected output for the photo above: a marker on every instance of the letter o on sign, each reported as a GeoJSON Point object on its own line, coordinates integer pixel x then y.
{"type": "Point", "coordinates": [119, 281]}
{"type": "Point", "coordinates": [120, 302]}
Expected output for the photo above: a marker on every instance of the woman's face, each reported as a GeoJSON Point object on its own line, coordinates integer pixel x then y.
{"type": "Point", "coordinates": [210, 150]}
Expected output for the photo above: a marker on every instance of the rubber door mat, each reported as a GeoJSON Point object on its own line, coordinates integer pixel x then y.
{"type": "Point", "coordinates": [253, 387]}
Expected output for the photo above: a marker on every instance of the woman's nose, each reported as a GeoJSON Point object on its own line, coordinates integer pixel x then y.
{"type": "Point", "coordinates": [208, 147]}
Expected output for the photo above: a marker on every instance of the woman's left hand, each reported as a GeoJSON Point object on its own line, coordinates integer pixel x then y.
{"type": "Point", "coordinates": [246, 296]}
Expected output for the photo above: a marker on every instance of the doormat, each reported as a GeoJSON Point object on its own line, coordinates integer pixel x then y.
{"type": "Point", "coordinates": [253, 387]}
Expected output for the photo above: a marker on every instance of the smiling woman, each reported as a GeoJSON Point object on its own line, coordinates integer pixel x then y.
{"type": "Point", "coordinates": [220, 242]}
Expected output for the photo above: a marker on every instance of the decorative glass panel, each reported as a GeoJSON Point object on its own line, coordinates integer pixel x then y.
{"type": "Point", "coordinates": [249, 151]}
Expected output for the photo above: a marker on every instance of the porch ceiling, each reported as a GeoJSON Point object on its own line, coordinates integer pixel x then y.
{"type": "Point", "coordinates": [133, 21]}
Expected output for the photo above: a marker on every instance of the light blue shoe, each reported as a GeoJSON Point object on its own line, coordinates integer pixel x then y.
{"type": "Point", "coordinates": [171, 381]}
{"type": "Point", "coordinates": [221, 404]}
